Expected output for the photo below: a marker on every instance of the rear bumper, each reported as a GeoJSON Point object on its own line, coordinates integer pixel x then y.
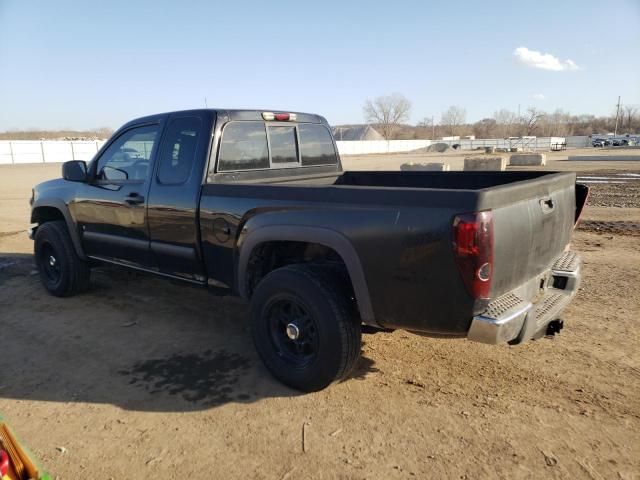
{"type": "Point", "coordinates": [512, 319]}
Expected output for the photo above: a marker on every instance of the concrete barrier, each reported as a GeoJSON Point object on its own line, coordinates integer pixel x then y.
{"type": "Point", "coordinates": [485, 163]}
{"type": "Point", "coordinates": [524, 159]}
{"type": "Point", "coordinates": [425, 167]}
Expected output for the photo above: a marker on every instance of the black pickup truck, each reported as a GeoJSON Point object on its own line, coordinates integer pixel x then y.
{"type": "Point", "coordinates": [256, 203]}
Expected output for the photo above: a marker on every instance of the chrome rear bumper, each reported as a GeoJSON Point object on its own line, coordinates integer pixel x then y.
{"type": "Point", "coordinates": [510, 318]}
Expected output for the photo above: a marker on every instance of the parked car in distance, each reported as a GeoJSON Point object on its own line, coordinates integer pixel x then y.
{"type": "Point", "coordinates": [623, 142]}
{"type": "Point", "coordinates": [255, 203]}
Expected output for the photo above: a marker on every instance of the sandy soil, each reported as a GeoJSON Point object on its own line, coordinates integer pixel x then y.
{"type": "Point", "coordinates": [140, 378]}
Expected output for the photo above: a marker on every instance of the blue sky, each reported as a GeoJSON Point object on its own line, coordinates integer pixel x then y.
{"type": "Point", "coordinates": [76, 64]}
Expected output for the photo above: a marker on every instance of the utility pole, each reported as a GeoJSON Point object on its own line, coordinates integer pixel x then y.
{"type": "Point", "coordinates": [205, 102]}
{"type": "Point", "coordinates": [433, 128]}
{"type": "Point", "coordinates": [615, 132]}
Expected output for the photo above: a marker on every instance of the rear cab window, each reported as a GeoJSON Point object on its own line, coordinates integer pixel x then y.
{"type": "Point", "coordinates": [258, 145]}
{"type": "Point", "coordinates": [316, 145]}
{"type": "Point", "coordinates": [243, 147]}
{"type": "Point", "coordinates": [284, 145]}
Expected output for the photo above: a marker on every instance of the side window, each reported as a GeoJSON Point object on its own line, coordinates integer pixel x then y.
{"type": "Point", "coordinates": [243, 147]}
{"type": "Point", "coordinates": [283, 144]}
{"type": "Point", "coordinates": [127, 158]}
{"type": "Point", "coordinates": [178, 151]}
{"type": "Point", "coordinates": [316, 147]}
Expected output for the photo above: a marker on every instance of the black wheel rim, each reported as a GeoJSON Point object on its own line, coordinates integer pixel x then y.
{"type": "Point", "coordinates": [293, 331]}
{"type": "Point", "coordinates": [50, 263]}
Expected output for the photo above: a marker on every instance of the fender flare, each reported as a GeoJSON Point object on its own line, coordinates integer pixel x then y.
{"type": "Point", "coordinates": [311, 234]}
{"type": "Point", "coordinates": [71, 226]}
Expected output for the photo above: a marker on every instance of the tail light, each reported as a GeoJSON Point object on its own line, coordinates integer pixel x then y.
{"type": "Point", "coordinates": [473, 251]}
{"type": "Point", "coordinates": [4, 463]}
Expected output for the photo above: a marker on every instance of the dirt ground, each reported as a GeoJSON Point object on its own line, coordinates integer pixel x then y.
{"type": "Point", "coordinates": [140, 378]}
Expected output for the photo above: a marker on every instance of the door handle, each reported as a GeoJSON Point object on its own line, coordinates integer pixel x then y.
{"type": "Point", "coordinates": [134, 199]}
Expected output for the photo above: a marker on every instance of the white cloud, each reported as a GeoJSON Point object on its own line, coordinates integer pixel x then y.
{"type": "Point", "coordinates": [545, 61]}
{"type": "Point", "coordinates": [539, 96]}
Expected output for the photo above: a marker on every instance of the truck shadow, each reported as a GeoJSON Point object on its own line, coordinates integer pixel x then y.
{"type": "Point", "coordinates": [133, 341]}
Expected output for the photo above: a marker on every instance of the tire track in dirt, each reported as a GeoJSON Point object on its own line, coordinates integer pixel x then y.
{"type": "Point", "coordinates": [610, 227]}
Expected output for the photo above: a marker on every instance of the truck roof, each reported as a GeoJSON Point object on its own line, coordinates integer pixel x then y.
{"type": "Point", "coordinates": [231, 114]}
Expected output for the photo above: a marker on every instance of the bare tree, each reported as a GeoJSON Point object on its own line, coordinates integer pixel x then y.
{"type": "Point", "coordinates": [531, 118]}
{"type": "Point", "coordinates": [387, 112]}
{"type": "Point", "coordinates": [429, 126]}
{"type": "Point", "coordinates": [558, 123]}
{"type": "Point", "coordinates": [628, 113]}
{"type": "Point", "coordinates": [453, 117]}
{"type": "Point", "coordinates": [424, 123]}
{"type": "Point", "coordinates": [505, 119]}
{"type": "Point", "coordinates": [485, 128]}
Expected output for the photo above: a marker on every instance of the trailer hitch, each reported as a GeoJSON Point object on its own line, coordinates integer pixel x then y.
{"type": "Point", "coordinates": [554, 327]}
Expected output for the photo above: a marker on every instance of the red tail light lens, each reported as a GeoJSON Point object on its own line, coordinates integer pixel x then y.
{"type": "Point", "coordinates": [473, 251]}
{"type": "Point", "coordinates": [4, 463]}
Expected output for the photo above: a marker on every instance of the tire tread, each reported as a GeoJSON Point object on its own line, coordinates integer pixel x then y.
{"type": "Point", "coordinates": [79, 270]}
{"type": "Point", "coordinates": [332, 287]}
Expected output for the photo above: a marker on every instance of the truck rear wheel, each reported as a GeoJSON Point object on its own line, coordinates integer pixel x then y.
{"type": "Point", "coordinates": [62, 272]}
{"type": "Point", "coordinates": [303, 327]}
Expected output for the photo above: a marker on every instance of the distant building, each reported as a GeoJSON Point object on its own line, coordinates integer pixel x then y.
{"type": "Point", "coordinates": [355, 133]}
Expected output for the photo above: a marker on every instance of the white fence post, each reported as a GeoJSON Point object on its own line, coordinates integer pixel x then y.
{"type": "Point", "coordinates": [42, 149]}
{"type": "Point", "coordinates": [11, 152]}
{"type": "Point", "coordinates": [73, 154]}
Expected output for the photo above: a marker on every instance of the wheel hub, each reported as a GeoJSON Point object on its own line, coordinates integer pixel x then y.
{"type": "Point", "coordinates": [293, 332]}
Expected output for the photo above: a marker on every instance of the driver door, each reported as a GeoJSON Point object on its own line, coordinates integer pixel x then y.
{"type": "Point", "coordinates": [111, 210]}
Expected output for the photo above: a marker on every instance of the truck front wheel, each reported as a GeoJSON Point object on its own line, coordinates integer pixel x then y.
{"type": "Point", "coordinates": [303, 327]}
{"type": "Point", "coordinates": [62, 272]}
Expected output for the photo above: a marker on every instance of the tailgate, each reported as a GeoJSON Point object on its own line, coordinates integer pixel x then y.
{"type": "Point", "coordinates": [533, 223]}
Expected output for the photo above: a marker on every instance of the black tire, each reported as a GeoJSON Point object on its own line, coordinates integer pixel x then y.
{"type": "Point", "coordinates": [329, 337]}
{"type": "Point", "coordinates": [62, 272]}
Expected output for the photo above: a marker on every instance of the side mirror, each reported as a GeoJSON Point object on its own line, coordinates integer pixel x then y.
{"type": "Point", "coordinates": [75, 171]}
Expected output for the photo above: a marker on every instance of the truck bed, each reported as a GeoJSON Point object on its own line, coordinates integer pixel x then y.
{"type": "Point", "coordinates": [400, 224]}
